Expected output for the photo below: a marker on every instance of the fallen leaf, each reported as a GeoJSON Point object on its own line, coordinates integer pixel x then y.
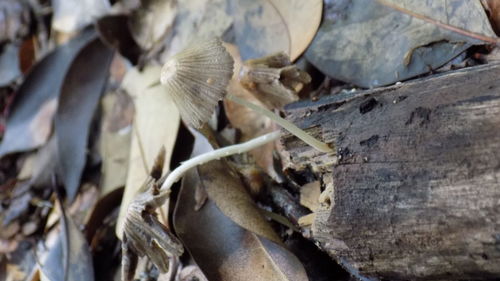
{"type": "Point", "coordinates": [307, 220]}
{"type": "Point", "coordinates": [115, 140]}
{"type": "Point", "coordinates": [309, 195]}
{"type": "Point", "coordinates": [367, 44]}
{"type": "Point", "coordinates": [30, 122]}
{"type": "Point", "coordinates": [9, 64]}
{"type": "Point", "coordinates": [224, 250]}
{"type": "Point", "coordinates": [28, 54]}
{"type": "Point", "coordinates": [70, 257]}
{"type": "Point", "coordinates": [14, 273]}
{"type": "Point", "coordinates": [190, 273]}
{"type": "Point", "coordinates": [156, 124]}
{"type": "Point", "coordinates": [259, 28]}
{"type": "Point", "coordinates": [225, 188]}
{"type": "Point", "coordinates": [15, 22]}
{"type": "Point", "coordinates": [197, 19]}
{"type": "Point", "coordinates": [264, 27]}
{"type": "Point", "coordinates": [80, 93]}
{"type": "Point", "coordinates": [493, 7]}
{"type": "Point", "coordinates": [72, 15]}
{"type": "Point", "coordinates": [117, 70]}
{"type": "Point", "coordinates": [152, 21]}
{"type": "Point", "coordinates": [18, 206]}
{"type": "Point", "coordinates": [45, 164]}
{"type": "Point", "coordinates": [10, 230]}
{"type": "Point", "coordinates": [27, 167]}
{"type": "Point", "coordinates": [302, 19]}
{"type": "Point", "coordinates": [111, 31]}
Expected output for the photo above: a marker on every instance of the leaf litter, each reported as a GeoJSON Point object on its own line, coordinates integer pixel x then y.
{"type": "Point", "coordinates": [102, 146]}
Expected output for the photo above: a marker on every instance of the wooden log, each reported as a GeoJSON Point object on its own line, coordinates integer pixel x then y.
{"type": "Point", "coordinates": [415, 191]}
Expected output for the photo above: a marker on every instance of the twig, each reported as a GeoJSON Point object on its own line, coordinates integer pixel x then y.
{"type": "Point", "coordinates": [441, 24]}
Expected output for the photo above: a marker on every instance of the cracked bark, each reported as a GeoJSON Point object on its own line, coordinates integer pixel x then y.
{"type": "Point", "coordinates": [415, 194]}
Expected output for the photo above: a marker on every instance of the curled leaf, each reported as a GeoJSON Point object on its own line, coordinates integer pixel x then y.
{"type": "Point", "coordinates": [224, 250]}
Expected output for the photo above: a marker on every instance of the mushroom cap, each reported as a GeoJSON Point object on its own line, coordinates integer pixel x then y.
{"type": "Point", "coordinates": [196, 79]}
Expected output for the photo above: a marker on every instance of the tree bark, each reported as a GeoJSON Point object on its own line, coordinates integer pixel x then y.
{"type": "Point", "coordinates": [413, 192]}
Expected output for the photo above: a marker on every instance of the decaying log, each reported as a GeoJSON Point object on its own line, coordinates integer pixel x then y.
{"type": "Point", "coordinates": [415, 194]}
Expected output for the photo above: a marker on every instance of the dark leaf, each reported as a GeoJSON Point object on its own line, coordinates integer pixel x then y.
{"type": "Point", "coordinates": [198, 19]}
{"type": "Point", "coordinates": [15, 20]}
{"type": "Point", "coordinates": [152, 21]}
{"type": "Point", "coordinates": [113, 32]}
{"type": "Point", "coordinates": [9, 64]}
{"type": "Point", "coordinates": [70, 257]}
{"type": "Point", "coordinates": [225, 188]}
{"type": "Point", "coordinates": [80, 93]}
{"type": "Point", "coordinates": [367, 44]}
{"type": "Point", "coordinates": [223, 249]}
{"type": "Point", "coordinates": [263, 27]}
{"type": "Point", "coordinates": [30, 122]}
{"type": "Point", "coordinates": [259, 29]}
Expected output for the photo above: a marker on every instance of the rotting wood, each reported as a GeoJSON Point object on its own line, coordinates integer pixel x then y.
{"type": "Point", "coordinates": [415, 194]}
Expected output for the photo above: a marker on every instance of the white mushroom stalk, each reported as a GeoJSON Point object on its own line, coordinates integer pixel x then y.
{"type": "Point", "coordinates": [176, 174]}
{"type": "Point", "coordinates": [299, 133]}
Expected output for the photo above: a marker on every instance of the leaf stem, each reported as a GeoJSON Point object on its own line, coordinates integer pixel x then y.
{"type": "Point", "coordinates": [456, 29]}
{"type": "Point", "coordinates": [301, 134]}
{"type": "Point", "coordinates": [176, 174]}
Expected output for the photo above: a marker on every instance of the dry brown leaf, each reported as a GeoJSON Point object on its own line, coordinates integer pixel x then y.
{"type": "Point", "coordinates": [225, 251]}
{"type": "Point", "coordinates": [493, 7]}
{"type": "Point", "coordinates": [7, 246]}
{"type": "Point", "coordinates": [302, 19]}
{"type": "Point", "coordinates": [115, 140]}
{"type": "Point", "coordinates": [14, 273]}
{"type": "Point", "coordinates": [156, 124]}
{"type": "Point", "coordinates": [307, 220]}
{"type": "Point", "coordinates": [309, 195]}
{"type": "Point", "coordinates": [225, 188]}
{"type": "Point", "coordinates": [198, 19]}
{"type": "Point", "coordinates": [152, 21]}
{"type": "Point", "coordinates": [28, 167]}
{"type": "Point", "coordinates": [264, 27]}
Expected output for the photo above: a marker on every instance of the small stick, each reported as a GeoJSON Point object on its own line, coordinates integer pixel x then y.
{"type": "Point", "coordinates": [441, 24]}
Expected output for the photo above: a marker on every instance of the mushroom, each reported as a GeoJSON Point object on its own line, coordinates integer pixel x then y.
{"type": "Point", "coordinates": [196, 78]}
{"type": "Point", "coordinates": [274, 80]}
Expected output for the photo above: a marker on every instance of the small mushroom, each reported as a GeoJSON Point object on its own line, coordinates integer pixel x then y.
{"type": "Point", "coordinates": [143, 233]}
{"type": "Point", "coordinates": [274, 80]}
{"type": "Point", "coordinates": [196, 79]}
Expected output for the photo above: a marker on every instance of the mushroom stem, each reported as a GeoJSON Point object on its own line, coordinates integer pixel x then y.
{"type": "Point", "coordinates": [301, 134]}
{"type": "Point", "coordinates": [176, 174]}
